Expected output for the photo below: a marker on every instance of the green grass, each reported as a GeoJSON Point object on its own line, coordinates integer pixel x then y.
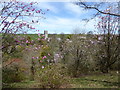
{"type": "Point", "coordinates": [25, 84]}
{"type": "Point", "coordinates": [88, 81]}
{"type": "Point", "coordinates": [96, 81]}
{"type": "Point", "coordinates": [32, 36]}
{"type": "Point", "coordinates": [35, 36]}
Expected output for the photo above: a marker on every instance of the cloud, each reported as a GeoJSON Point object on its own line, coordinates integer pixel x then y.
{"type": "Point", "coordinates": [65, 0]}
{"type": "Point", "coordinates": [65, 25]}
{"type": "Point", "coordinates": [59, 23]}
{"type": "Point", "coordinates": [74, 9]}
{"type": "Point", "coordinates": [46, 5]}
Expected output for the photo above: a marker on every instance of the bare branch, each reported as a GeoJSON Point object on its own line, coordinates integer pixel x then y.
{"type": "Point", "coordinates": [91, 7]}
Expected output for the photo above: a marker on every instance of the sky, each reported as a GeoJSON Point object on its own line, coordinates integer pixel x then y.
{"type": "Point", "coordinates": [65, 17]}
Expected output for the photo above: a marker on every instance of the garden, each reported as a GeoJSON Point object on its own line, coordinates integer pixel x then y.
{"type": "Point", "coordinates": [77, 60]}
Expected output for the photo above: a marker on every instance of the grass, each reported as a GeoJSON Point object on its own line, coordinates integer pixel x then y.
{"type": "Point", "coordinates": [32, 36]}
{"type": "Point", "coordinates": [89, 81]}
{"type": "Point", "coordinates": [96, 81]}
{"type": "Point", "coordinates": [25, 84]}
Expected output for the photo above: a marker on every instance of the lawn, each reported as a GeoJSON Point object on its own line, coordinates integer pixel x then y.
{"type": "Point", "coordinates": [86, 81]}
{"type": "Point", "coordinates": [96, 81]}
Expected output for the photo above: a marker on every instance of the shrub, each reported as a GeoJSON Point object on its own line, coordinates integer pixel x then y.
{"type": "Point", "coordinates": [52, 76]}
{"type": "Point", "coordinates": [14, 70]}
{"type": "Point", "coordinates": [11, 75]}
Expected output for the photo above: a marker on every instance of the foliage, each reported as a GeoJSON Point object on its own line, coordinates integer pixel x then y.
{"type": "Point", "coordinates": [52, 76]}
{"type": "Point", "coordinates": [14, 74]}
{"type": "Point", "coordinates": [12, 23]}
{"type": "Point", "coordinates": [76, 55]}
{"type": "Point", "coordinates": [79, 53]}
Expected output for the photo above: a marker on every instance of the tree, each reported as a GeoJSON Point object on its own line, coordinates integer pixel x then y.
{"type": "Point", "coordinates": [62, 41]}
{"type": "Point", "coordinates": [54, 45]}
{"type": "Point", "coordinates": [75, 54]}
{"type": "Point", "coordinates": [13, 20]}
{"type": "Point", "coordinates": [90, 33]}
{"type": "Point", "coordinates": [17, 18]}
{"type": "Point", "coordinates": [108, 52]}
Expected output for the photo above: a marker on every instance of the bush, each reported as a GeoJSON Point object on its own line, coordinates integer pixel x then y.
{"type": "Point", "coordinates": [11, 75]}
{"type": "Point", "coordinates": [52, 76]}
{"type": "Point", "coordinates": [14, 70]}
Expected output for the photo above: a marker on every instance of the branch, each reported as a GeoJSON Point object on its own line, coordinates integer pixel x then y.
{"type": "Point", "coordinates": [90, 7]}
{"type": "Point", "coordinates": [113, 57]}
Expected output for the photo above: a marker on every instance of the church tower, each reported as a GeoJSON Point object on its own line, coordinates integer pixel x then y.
{"type": "Point", "coordinates": [46, 34]}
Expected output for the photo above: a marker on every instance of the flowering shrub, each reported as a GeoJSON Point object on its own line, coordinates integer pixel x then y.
{"type": "Point", "coordinates": [11, 24]}
{"type": "Point", "coordinates": [52, 76]}
{"type": "Point", "coordinates": [46, 55]}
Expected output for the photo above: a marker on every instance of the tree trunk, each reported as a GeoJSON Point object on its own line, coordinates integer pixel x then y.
{"type": "Point", "coordinates": [32, 70]}
{"type": "Point", "coordinates": [104, 66]}
{"type": "Point", "coordinates": [105, 69]}
{"type": "Point", "coordinates": [77, 62]}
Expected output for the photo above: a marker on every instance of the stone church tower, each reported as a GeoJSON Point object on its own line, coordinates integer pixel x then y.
{"type": "Point", "coordinates": [46, 34]}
